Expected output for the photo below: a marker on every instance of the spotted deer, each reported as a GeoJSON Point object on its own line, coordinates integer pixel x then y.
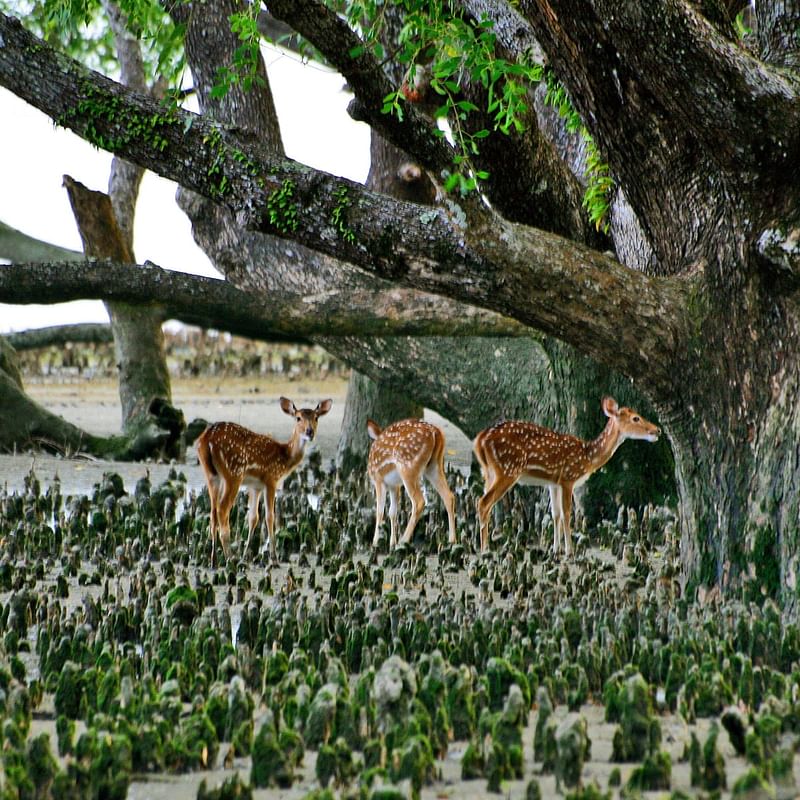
{"type": "Point", "coordinates": [521, 452]}
{"type": "Point", "coordinates": [233, 456]}
{"type": "Point", "coordinates": [400, 455]}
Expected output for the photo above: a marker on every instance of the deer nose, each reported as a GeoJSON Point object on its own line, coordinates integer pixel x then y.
{"type": "Point", "coordinates": [310, 433]}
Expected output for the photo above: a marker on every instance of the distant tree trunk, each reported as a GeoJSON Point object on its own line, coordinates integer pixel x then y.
{"type": "Point", "coordinates": [368, 399]}
{"type": "Point", "coordinates": [142, 373]}
{"type": "Point", "coordinates": [138, 338]}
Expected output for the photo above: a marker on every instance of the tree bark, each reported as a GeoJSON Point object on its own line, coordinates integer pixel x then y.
{"type": "Point", "coordinates": [214, 303]}
{"type": "Point", "coordinates": [481, 259]}
{"type": "Point", "coordinates": [138, 337]}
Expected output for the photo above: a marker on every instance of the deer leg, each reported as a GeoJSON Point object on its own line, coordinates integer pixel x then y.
{"type": "Point", "coordinates": [226, 500]}
{"type": "Point", "coordinates": [500, 485]}
{"type": "Point", "coordinates": [213, 482]}
{"type": "Point", "coordinates": [566, 505]}
{"type": "Point", "coordinates": [380, 507]}
{"type": "Point", "coordinates": [254, 499]}
{"type": "Point", "coordinates": [270, 514]}
{"type": "Point", "coordinates": [557, 510]}
{"type": "Point", "coordinates": [417, 506]}
{"type": "Point", "coordinates": [435, 474]}
{"type": "Point", "coordinates": [394, 508]}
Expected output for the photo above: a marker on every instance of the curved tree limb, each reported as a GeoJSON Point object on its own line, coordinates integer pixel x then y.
{"type": "Point", "coordinates": [214, 303]}
{"type": "Point", "coordinates": [18, 246]}
{"type": "Point", "coordinates": [85, 333]}
{"type": "Point", "coordinates": [542, 280]}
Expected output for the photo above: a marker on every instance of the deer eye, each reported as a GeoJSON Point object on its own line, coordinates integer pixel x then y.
{"type": "Point", "coordinates": [636, 419]}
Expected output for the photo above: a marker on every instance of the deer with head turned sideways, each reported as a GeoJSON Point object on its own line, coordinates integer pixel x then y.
{"type": "Point", "coordinates": [232, 456]}
{"type": "Point", "coordinates": [521, 452]}
{"type": "Point", "coordinates": [400, 455]}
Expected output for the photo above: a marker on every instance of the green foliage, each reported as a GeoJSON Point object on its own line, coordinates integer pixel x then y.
{"type": "Point", "coordinates": [442, 50]}
{"type": "Point", "coordinates": [599, 183]}
{"type": "Point", "coordinates": [742, 30]}
{"type": "Point", "coordinates": [339, 215]}
{"type": "Point", "coordinates": [765, 557]}
{"type": "Point", "coordinates": [752, 786]}
{"type": "Point", "coordinates": [232, 788]}
{"type": "Point", "coordinates": [654, 774]}
{"type": "Point", "coordinates": [281, 209]}
{"type": "Point", "coordinates": [81, 29]}
{"type": "Point", "coordinates": [271, 765]}
{"type": "Point", "coordinates": [639, 732]}
{"type": "Point", "coordinates": [246, 58]}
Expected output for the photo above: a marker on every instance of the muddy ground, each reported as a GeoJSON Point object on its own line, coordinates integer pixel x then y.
{"type": "Point", "coordinates": [94, 406]}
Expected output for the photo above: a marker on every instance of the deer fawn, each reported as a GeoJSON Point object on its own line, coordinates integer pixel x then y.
{"type": "Point", "coordinates": [232, 455]}
{"type": "Point", "coordinates": [400, 455]}
{"type": "Point", "coordinates": [512, 452]}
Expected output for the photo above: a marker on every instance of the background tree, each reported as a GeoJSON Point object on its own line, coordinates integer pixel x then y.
{"type": "Point", "coordinates": [698, 305]}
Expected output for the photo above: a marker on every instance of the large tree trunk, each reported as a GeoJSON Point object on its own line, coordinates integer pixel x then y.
{"type": "Point", "coordinates": [731, 411]}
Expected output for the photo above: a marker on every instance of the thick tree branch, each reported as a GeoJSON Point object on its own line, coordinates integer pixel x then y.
{"type": "Point", "coordinates": [85, 333]}
{"type": "Point", "coordinates": [16, 246]}
{"type": "Point", "coordinates": [735, 106]}
{"type": "Point", "coordinates": [345, 50]}
{"type": "Point", "coordinates": [541, 280]}
{"type": "Point", "coordinates": [213, 303]}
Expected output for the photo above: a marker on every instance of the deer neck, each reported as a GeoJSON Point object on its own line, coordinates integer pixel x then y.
{"type": "Point", "coordinates": [295, 449]}
{"type": "Point", "coordinates": [605, 445]}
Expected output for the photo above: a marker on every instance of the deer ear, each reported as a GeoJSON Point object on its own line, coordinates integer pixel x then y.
{"type": "Point", "coordinates": [373, 429]}
{"type": "Point", "coordinates": [610, 407]}
{"type": "Point", "coordinates": [288, 406]}
{"type": "Point", "coordinates": [324, 407]}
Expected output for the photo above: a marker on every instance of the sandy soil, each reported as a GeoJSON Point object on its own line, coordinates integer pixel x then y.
{"type": "Point", "coordinates": [95, 407]}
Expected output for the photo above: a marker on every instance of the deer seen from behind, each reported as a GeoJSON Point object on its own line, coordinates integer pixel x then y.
{"type": "Point", "coordinates": [400, 455]}
{"type": "Point", "coordinates": [522, 452]}
{"type": "Point", "coordinates": [233, 456]}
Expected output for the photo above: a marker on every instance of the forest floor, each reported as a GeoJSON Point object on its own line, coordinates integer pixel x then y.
{"type": "Point", "coordinates": [253, 402]}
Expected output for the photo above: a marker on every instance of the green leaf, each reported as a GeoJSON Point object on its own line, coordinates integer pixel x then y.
{"type": "Point", "coordinates": [451, 182]}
